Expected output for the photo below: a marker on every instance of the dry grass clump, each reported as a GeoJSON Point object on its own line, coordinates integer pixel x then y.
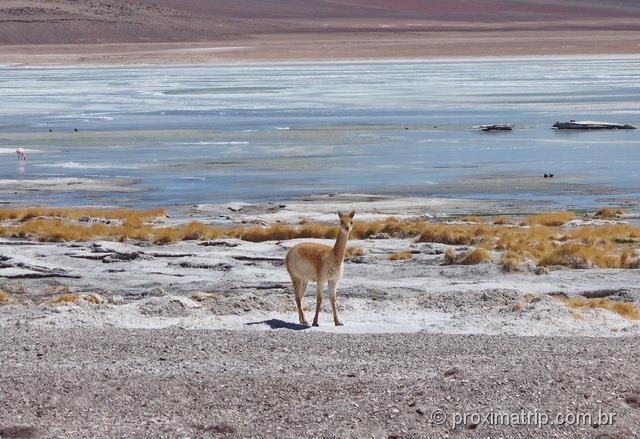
{"type": "Point", "coordinates": [5, 298]}
{"type": "Point", "coordinates": [203, 297]}
{"type": "Point", "coordinates": [549, 219]}
{"type": "Point", "coordinates": [472, 219]}
{"type": "Point", "coordinates": [93, 299]}
{"type": "Point", "coordinates": [453, 234]}
{"type": "Point", "coordinates": [625, 309]}
{"type": "Point", "coordinates": [400, 256]}
{"type": "Point", "coordinates": [511, 260]}
{"type": "Point", "coordinates": [609, 213]}
{"type": "Point", "coordinates": [582, 256]}
{"type": "Point", "coordinates": [353, 251]}
{"type": "Point", "coordinates": [472, 257]}
{"type": "Point", "coordinates": [501, 221]}
{"type": "Point", "coordinates": [127, 216]}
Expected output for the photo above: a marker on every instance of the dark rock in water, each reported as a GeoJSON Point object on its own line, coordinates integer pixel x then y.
{"type": "Point", "coordinates": [591, 125]}
{"type": "Point", "coordinates": [496, 127]}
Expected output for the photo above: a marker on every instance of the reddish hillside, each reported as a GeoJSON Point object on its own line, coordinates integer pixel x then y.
{"type": "Point", "coordinates": [104, 21]}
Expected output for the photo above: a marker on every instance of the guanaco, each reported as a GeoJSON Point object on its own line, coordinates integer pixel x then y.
{"type": "Point", "coordinates": [319, 263]}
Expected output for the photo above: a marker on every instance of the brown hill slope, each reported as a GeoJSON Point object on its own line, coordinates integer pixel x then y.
{"type": "Point", "coordinates": [104, 21]}
{"type": "Point", "coordinates": [122, 31]}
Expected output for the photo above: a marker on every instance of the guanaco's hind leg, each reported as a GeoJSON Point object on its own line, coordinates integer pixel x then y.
{"type": "Point", "coordinates": [300, 286]}
{"type": "Point", "coordinates": [318, 301]}
{"type": "Point", "coordinates": [332, 297]}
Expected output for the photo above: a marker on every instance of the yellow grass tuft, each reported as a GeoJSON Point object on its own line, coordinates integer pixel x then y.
{"type": "Point", "coordinates": [472, 219]}
{"type": "Point", "coordinates": [501, 220]}
{"type": "Point", "coordinates": [64, 298]}
{"type": "Point", "coordinates": [476, 256]}
{"type": "Point", "coordinates": [549, 219]}
{"type": "Point", "coordinates": [400, 256]}
{"type": "Point", "coordinates": [625, 309]}
{"type": "Point", "coordinates": [93, 299]}
{"type": "Point", "coordinates": [581, 256]}
{"type": "Point", "coordinates": [130, 216]}
{"type": "Point", "coordinates": [5, 298]}
{"type": "Point", "coordinates": [609, 213]}
{"type": "Point", "coordinates": [353, 251]}
{"type": "Point", "coordinates": [511, 260]}
{"type": "Point", "coordinates": [203, 297]}
{"type": "Point", "coordinates": [473, 257]}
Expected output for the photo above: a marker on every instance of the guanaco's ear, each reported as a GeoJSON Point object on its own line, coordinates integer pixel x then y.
{"type": "Point", "coordinates": [340, 215]}
{"type": "Point", "coordinates": [353, 212]}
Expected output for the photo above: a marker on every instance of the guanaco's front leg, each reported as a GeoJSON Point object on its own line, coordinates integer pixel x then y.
{"type": "Point", "coordinates": [332, 297]}
{"type": "Point", "coordinates": [318, 302]}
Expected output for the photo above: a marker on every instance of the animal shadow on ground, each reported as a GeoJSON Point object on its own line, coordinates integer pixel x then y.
{"type": "Point", "coordinates": [280, 324]}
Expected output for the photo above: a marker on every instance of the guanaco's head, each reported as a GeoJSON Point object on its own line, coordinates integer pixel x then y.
{"type": "Point", "coordinates": [346, 221]}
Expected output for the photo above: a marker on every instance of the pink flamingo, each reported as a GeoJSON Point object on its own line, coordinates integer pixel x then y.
{"type": "Point", "coordinates": [21, 154]}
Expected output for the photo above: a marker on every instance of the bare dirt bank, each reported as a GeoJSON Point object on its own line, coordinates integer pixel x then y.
{"type": "Point", "coordinates": [354, 44]}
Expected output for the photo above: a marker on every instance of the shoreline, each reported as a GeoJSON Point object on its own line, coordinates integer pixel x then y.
{"type": "Point", "coordinates": [334, 61]}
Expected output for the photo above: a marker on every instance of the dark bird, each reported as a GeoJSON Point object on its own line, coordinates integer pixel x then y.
{"type": "Point", "coordinates": [75, 129]}
{"type": "Point", "coordinates": [550, 175]}
{"type": "Point", "coordinates": [546, 176]}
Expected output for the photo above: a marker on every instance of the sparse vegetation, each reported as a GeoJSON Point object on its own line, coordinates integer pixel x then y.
{"type": "Point", "coordinates": [5, 298]}
{"type": "Point", "coordinates": [353, 251]}
{"type": "Point", "coordinates": [472, 257]}
{"type": "Point", "coordinates": [93, 299]}
{"type": "Point", "coordinates": [127, 216]}
{"type": "Point", "coordinates": [400, 256]}
{"type": "Point", "coordinates": [501, 220]}
{"type": "Point", "coordinates": [549, 219]}
{"type": "Point", "coordinates": [511, 260]}
{"type": "Point", "coordinates": [204, 297]}
{"type": "Point", "coordinates": [472, 219]}
{"type": "Point", "coordinates": [609, 213]}
{"type": "Point", "coordinates": [625, 309]}
{"type": "Point", "coordinates": [604, 246]}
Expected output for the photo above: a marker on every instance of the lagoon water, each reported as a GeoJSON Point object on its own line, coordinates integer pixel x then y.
{"type": "Point", "coordinates": [272, 131]}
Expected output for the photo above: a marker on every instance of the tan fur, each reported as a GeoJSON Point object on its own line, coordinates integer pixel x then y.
{"type": "Point", "coordinates": [309, 262]}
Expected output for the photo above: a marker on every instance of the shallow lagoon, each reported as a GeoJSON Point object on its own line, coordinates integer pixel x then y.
{"type": "Point", "coordinates": [256, 132]}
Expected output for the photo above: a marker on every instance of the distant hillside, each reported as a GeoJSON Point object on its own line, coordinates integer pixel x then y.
{"type": "Point", "coordinates": [106, 21]}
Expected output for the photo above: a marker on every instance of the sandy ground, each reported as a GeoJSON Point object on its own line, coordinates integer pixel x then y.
{"type": "Point", "coordinates": [334, 46]}
{"type": "Point", "coordinates": [289, 384]}
{"type": "Point", "coordinates": [39, 32]}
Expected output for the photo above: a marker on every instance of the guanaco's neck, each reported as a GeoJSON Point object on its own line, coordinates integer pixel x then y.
{"type": "Point", "coordinates": [340, 246]}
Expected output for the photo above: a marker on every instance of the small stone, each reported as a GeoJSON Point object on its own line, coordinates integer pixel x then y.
{"type": "Point", "coordinates": [633, 401]}
{"type": "Point", "coordinates": [452, 373]}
